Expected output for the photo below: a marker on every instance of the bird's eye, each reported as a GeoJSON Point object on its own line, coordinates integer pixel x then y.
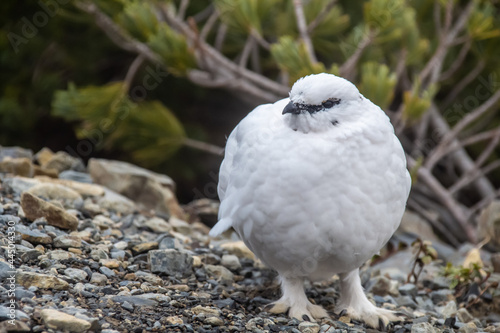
{"type": "Point", "coordinates": [331, 102]}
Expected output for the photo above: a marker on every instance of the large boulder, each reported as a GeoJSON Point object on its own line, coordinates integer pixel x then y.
{"type": "Point", "coordinates": [149, 189]}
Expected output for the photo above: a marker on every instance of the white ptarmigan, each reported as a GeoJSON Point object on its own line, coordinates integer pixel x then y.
{"type": "Point", "coordinates": [315, 185]}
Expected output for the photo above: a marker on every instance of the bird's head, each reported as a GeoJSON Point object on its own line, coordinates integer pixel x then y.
{"type": "Point", "coordinates": [320, 101]}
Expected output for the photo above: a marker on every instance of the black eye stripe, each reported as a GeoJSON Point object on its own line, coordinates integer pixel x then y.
{"type": "Point", "coordinates": [311, 108]}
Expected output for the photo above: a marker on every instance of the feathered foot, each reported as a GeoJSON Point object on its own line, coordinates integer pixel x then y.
{"type": "Point", "coordinates": [354, 303]}
{"type": "Point", "coordinates": [295, 302]}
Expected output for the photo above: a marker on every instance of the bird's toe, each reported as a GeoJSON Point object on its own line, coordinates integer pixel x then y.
{"type": "Point", "coordinates": [277, 307]}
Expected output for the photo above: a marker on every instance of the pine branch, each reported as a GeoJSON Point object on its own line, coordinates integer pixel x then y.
{"type": "Point", "coordinates": [324, 13]}
{"type": "Point", "coordinates": [347, 70]}
{"type": "Point", "coordinates": [203, 146]}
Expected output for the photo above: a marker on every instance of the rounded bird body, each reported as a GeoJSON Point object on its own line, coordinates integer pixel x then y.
{"type": "Point", "coordinates": [314, 184]}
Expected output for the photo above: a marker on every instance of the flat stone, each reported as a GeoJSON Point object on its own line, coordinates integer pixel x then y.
{"type": "Point", "coordinates": [135, 300]}
{"type": "Point", "coordinates": [171, 262]}
{"type": "Point", "coordinates": [76, 176]}
{"type": "Point", "coordinates": [34, 236]}
{"type": "Point", "coordinates": [464, 316]}
{"type": "Point", "coordinates": [60, 192]}
{"type": "Point", "coordinates": [308, 327]}
{"type": "Point", "coordinates": [220, 272]}
{"type": "Point", "coordinates": [205, 310]}
{"type": "Point", "coordinates": [6, 313]}
{"type": "Point", "coordinates": [76, 274]}
{"type": "Point", "coordinates": [35, 208]}
{"type": "Point", "coordinates": [213, 321]}
{"type": "Point", "coordinates": [158, 225]}
{"type": "Point", "coordinates": [66, 241]}
{"type": "Point", "coordinates": [42, 281]}
{"type": "Point", "coordinates": [110, 263]}
{"type": "Point", "coordinates": [144, 247]}
{"type": "Point", "coordinates": [20, 166]}
{"type": "Point", "coordinates": [60, 255]}
{"type": "Point", "coordinates": [19, 184]}
{"type": "Point", "coordinates": [239, 249]}
{"type": "Point", "coordinates": [174, 320]}
{"type": "Point", "coordinates": [63, 322]}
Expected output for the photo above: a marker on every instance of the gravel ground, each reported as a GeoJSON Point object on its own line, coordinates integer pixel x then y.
{"type": "Point", "coordinates": [85, 258]}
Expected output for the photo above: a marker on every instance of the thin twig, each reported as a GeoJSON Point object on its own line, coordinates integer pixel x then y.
{"type": "Point", "coordinates": [302, 26]}
{"type": "Point", "coordinates": [458, 61]}
{"type": "Point", "coordinates": [132, 70]}
{"type": "Point", "coordinates": [220, 36]}
{"type": "Point", "coordinates": [446, 199]}
{"type": "Point", "coordinates": [322, 15]}
{"type": "Point", "coordinates": [247, 49]}
{"type": "Point", "coordinates": [452, 96]}
{"type": "Point", "coordinates": [347, 68]}
{"type": "Point", "coordinates": [206, 147]}
{"type": "Point", "coordinates": [471, 177]}
{"type": "Point", "coordinates": [437, 153]}
{"type": "Point", "coordinates": [209, 25]}
{"type": "Point", "coordinates": [262, 42]}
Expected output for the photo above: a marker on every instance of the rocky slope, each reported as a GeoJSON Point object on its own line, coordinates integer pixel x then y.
{"type": "Point", "coordinates": [111, 250]}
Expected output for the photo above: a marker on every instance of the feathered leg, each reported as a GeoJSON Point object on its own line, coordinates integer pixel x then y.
{"type": "Point", "coordinates": [354, 301]}
{"type": "Point", "coordinates": [295, 302]}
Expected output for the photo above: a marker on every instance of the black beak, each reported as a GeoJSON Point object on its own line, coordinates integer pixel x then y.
{"type": "Point", "coordinates": [291, 108]}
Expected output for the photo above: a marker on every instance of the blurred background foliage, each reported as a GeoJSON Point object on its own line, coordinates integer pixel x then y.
{"type": "Point", "coordinates": [148, 81]}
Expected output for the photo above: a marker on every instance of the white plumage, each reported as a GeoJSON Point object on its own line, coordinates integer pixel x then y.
{"type": "Point", "coordinates": [315, 185]}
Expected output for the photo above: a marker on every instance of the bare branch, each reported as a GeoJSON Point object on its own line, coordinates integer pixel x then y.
{"type": "Point", "coordinates": [262, 42]}
{"type": "Point", "coordinates": [182, 9]}
{"type": "Point", "coordinates": [221, 60]}
{"type": "Point", "coordinates": [324, 13]}
{"type": "Point", "coordinates": [302, 26]}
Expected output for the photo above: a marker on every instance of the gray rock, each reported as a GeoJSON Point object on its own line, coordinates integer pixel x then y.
{"type": "Point", "coordinates": [441, 295]}
{"type": "Point", "coordinates": [408, 289]}
{"type": "Point", "coordinates": [422, 328]}
{"type": "Point", "coordinates": [8, 219]}
{"type": "Point", "coordinates": [19, 184]}
{"type": "Point", "coordinates": [219, 272]}
{"type": "Point", "coordinates": [116, 202]}
{"type": "Point", "coordinates": [151, 190]}
{"type": "Point", "coordinates": [464, 316]}
{"type": "Point", "coordinates": [171, 262]}
{"type": "Point", "coordinates": [61, 161]}
{"type": "Point", "coordinates": [76, 176]}
{"type": "Point", "coordinates": [15, 152]}
{"type": "Point", "coordinates": [106, 271]}
{"type": "Point", "coordinates": [406, 301]}
{"type": "Point", "coordinates": [33, 235]}
{"type": "Point", "coordinates": [98, 279]}
{"type": "Point", "coordinates": [170, 242]}
{"type": "Point", "coordinates": [158, 225]}
{"type": "Point", "coordinates": [76, 274]}
{"type": "Point", "coordinates": [65, 241]}
{"type": "Point", "coordinates": [231, 261]}
{"type": "Point", "coordinates": [134, 300]}
{"type": "Point", "coordinates": [6, 314]}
